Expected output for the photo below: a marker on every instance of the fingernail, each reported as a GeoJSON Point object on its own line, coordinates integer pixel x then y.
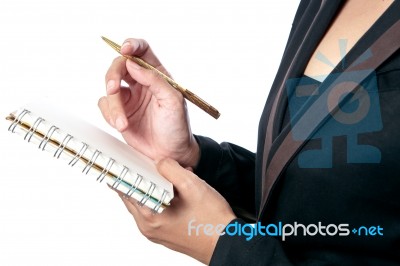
{"type": "Point", "coordinates": [132, 64]}
{"type": "Point", "coordinates": [120, 123]}
{"type": "Point", "coordinates": [110, 85]}
{"type": "Point", "coordinates": [125, 48]}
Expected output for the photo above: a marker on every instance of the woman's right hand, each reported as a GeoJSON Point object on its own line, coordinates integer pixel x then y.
{"type": "Point", "coordinates": [150, 114]}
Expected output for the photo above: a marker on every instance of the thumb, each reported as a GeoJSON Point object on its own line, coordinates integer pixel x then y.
{"type": "Point", "coordinates": [157, 85]}
{"type": "Point", "coordinates": [183, 180]}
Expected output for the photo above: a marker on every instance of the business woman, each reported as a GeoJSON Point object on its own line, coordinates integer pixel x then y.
{"type": "Point", "coordinates": [337, 178]}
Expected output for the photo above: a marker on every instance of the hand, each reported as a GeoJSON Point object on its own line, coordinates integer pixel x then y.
{"type": "Point", "coordinates": [150, 114]}
{"type": "Point", "coordinates": [195, 203]}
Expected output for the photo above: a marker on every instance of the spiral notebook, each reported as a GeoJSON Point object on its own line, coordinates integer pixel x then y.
{"type": "Point", "coordinates": [92, 151]}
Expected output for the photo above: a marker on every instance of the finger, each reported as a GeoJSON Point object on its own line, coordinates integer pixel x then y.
{"type": "Point", "coordinates": [132, 207]}
{"type": "Point", "coordinates": [105, 110]}
{"type": "Point", "coordinates": [140, 48]}
{"type": "Point", "coordinates": [183, 180]}
{"type": "Point", "coordinates": [117, 72]}
{"type": "Point", "coordinates": [139, 212]}
{"type": "Point", "coordinates": [116, 103]}
{"type": "Point", "coordinates": [112, 108]}
{"type": "Point", "coordinates": [157, 85]}
{"type": "Point", "coordinates": [129, 202]}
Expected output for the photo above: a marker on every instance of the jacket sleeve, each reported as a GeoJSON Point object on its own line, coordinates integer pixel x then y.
{"type": "Point", "coordinates": [230, 169]}
{"type": "Point", "coordinates": [243, 250]}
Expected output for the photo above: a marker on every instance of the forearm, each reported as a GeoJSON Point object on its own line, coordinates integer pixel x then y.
{"type": "Point", "coordinates": [230, 169]}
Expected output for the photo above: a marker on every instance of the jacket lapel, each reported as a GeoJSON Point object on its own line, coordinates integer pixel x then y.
{"type": "Point", "coordinates": [307, 31]}
{"type": "Point", "coordinates": [283, 140]}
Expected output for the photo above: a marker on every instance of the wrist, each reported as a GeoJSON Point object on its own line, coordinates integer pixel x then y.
{"type": "Point", "coordinates": [192, 157]}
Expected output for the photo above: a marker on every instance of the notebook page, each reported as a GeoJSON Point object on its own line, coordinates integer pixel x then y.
{"type": "Point", "coordinates": [107, 144]}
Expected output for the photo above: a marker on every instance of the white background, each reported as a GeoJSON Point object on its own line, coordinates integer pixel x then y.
{"type": "Point", "coordinates": [225, 51]}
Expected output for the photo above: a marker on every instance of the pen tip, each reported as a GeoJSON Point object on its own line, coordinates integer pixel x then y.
{"type": "Point", "coordinates": [115, 46]}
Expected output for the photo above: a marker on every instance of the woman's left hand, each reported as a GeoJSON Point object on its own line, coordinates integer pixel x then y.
{"type": "Point", "coordinates": [181, 226]}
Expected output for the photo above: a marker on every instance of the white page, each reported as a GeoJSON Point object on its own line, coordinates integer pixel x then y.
{"type": "Point", "coordinates": [103, 145]}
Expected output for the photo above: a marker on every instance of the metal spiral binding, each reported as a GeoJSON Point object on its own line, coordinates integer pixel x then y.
{"type": "Point", "coordinates": [17, 120]}
{"type": "Point", "coordinates": [47, 137]}
{"type": "Point", "coordinates": [78, 155]}
{"type": "Point", "coordinates": [134, 186]}
{"type": "Point", "coordinates": [120, 178]}
{"type": "Point", "coordinates": [148, 194]}
{"type": "Point", "coordinates": [105, 170]}
{"type": "Point", "coordinates": [33, 129]}
{"type": "Point", "coordinates": [62, 145]}
{"type": "Point", "coordinates": [91, 162]}
{"type": "Point", "coordinates": [160, 201]}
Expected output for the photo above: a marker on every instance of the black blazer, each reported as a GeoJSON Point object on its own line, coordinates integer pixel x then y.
{"type": "Point", "coordinates": [356, 190]}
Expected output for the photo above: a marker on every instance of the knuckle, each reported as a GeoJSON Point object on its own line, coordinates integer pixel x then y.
{"type": "Point", "coordinates": [177, 97]}
{"type": "Point", "coordinates": [132, 212]}
{"type": "Point", "coordinates": [149, 230]}
{"type": "Point", "coordinates": [164, 163]}
{"type": "Point", "coordinates": [117, 60]}
{"type": "Point", "coordinates": [130, 40]}
{"type": "Point", "coordinates": [188, 184]}
{"type": "Point", "coordinates": [101, 101]}
{"type": "Point", "coordinates": [143, 42]}
{"type": "Point", "coordinates": [149, 217]}
{"type": "Point", "coordinates": [142, 46]}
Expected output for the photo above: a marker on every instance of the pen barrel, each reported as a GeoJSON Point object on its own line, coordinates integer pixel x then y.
{"type": "Point", "coordinates": [201, 103]}
{"type": "Point", "coordinates": [196, 100]}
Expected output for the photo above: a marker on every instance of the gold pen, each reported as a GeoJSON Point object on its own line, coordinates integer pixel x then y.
{"type": "Point", "coordinates": [185, 92]}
